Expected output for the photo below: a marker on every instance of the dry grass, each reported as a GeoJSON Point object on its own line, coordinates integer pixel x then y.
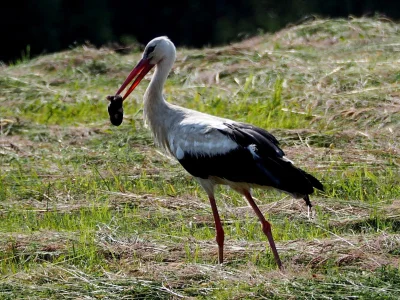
{"type": "Point", "coordinates": [92, 211]}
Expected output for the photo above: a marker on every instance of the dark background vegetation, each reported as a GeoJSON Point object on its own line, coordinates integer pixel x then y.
{"type": "Point", "coordinates": [35, 27]}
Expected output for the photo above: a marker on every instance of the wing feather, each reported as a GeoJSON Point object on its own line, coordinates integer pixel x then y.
{"type": "Point", "coordinates": [200, 138]}
{"type": "Point", "coordinates": [270, 159]}
{"type": "Point", "coordinates": [239, 152]}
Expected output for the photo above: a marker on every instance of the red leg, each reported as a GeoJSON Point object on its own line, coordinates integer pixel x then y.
{"type": "Point", "coordinates": [219, 230]}
{"type": "Point", "coordinates": [266, 227]}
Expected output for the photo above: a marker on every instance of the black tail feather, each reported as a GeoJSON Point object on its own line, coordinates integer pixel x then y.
{"type": "Point", "coordinates": [308, 202]}
{"type": "Point", "coordinates": [294, 180]}
{"type": "Point", "coordinates": [314, 181]}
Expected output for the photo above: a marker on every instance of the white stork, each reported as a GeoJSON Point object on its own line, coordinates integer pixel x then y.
{"type": "Point", "coordinates": [214, 150]}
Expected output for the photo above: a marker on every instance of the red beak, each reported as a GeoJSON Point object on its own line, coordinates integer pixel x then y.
{"type": "Point", "coordinates": [141, 69]}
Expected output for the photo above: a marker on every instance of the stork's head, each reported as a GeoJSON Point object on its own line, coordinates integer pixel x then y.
{"type": "Point", "coordinates": [156, 51]}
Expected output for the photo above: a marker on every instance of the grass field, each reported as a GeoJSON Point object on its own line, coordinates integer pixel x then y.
{"type": "Point", "coordinates": [92, 211]}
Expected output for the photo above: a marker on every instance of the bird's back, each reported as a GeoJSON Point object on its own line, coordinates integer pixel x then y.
{"type": "Point", "coordinates": [208, 146]}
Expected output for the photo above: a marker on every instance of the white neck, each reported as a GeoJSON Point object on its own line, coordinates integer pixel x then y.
{"type": "Point", "coordinates": [156, 109]}
{"type": "Point", "coordinates": [155, 88]}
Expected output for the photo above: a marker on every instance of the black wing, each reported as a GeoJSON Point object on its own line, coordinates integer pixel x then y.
{"type": "Point", "coordinates": [246, 134]}
{"type": "Point", "coordinates": [257, 160]}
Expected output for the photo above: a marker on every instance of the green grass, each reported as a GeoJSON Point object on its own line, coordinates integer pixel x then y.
{"type": "Point", "coordinates": [88, 210]}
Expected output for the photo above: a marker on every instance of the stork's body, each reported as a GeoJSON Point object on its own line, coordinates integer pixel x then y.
{"type": "Point", "coordinates": [216, 150]}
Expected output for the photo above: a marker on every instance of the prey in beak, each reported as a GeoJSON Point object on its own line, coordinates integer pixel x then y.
{"type": "Point", "coordinates": [115, 109]}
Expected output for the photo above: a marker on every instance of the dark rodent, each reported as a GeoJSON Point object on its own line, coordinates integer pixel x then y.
{"type": "Point", "coordinates": [115, 109]}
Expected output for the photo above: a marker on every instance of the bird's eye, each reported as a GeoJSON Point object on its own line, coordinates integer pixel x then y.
{"type": "Point", "coordinates": [150, 49]}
